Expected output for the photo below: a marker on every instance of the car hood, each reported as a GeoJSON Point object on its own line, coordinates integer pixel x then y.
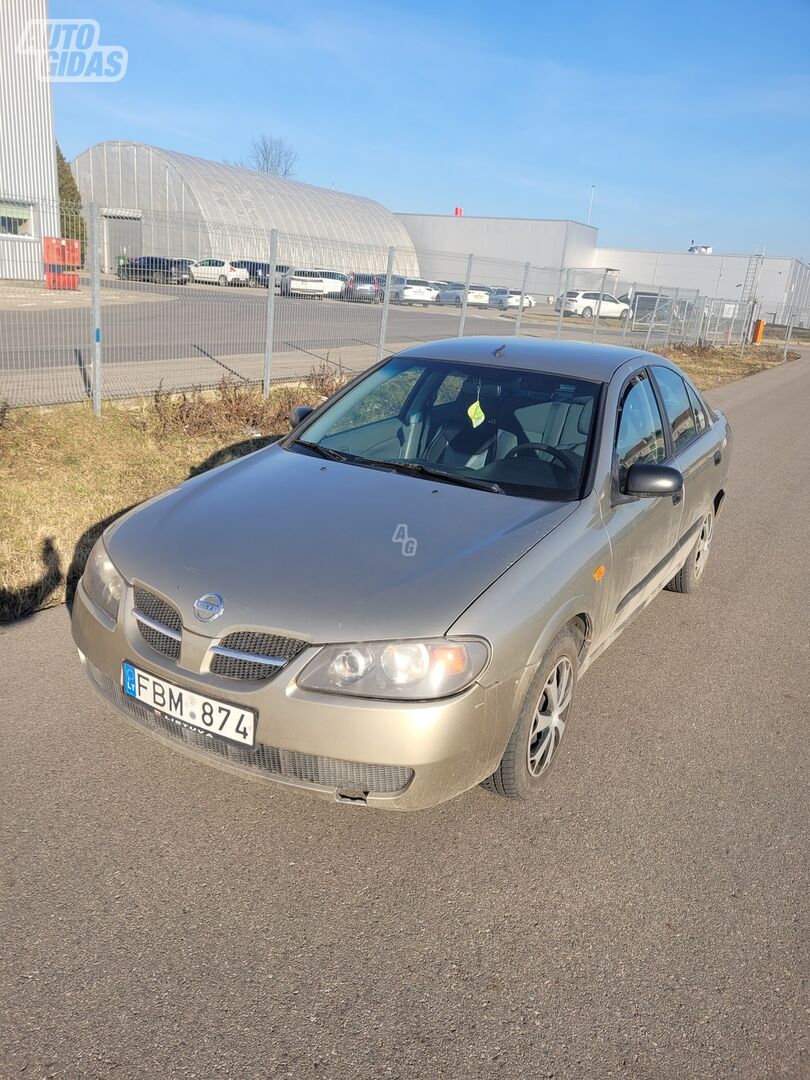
{"type": "Point", "coordinates": [318, 549]}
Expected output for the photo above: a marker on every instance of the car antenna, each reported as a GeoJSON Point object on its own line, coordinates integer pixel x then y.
{"type": "Point", "coordinates": [499, 351]}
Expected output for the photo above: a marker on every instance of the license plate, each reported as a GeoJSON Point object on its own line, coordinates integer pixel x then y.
{"type": "Point", "coordinates": [231, 722]}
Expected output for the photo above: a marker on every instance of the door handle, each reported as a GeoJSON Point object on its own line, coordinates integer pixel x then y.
{"type": "Point", "coordinates": [718, 456]}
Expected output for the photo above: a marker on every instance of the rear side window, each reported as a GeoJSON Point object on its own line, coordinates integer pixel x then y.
{"type": "Point", "coordinates": [677, 406]}
{"type": "Point", "coordinates": [699, 409]}
{"type": "Point", "coordinates": [640, 431]}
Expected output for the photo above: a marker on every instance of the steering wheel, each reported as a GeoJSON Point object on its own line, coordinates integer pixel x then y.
{"type": "Point", "coordinates": [539, 447]}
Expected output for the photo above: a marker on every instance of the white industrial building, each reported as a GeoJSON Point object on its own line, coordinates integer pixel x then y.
{"type": "Point", "coordinates": [28, 185]}
{"type": "Point", "coordinates": [781, 284]}
{"type": "Point", "coordinates": [543, 242]}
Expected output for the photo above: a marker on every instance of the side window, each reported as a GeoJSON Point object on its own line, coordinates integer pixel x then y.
{"type": "Point", "coordinates": [640, 432]}
{"type": "Point", "coordinates": [699, 409]}
{"type": "Point", "coordinates": [676, 406]}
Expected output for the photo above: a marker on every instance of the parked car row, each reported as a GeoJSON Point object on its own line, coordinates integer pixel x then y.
{"type": "Point", "coordinates": [319, 282]}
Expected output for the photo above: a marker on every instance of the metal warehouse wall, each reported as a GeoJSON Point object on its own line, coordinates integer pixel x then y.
{"type": "Point", "coordinates": [542, 242]}
{"type": "Point", "coordinates": [27, 146]}
{"type": "Point", "coordinates": [784, 283]}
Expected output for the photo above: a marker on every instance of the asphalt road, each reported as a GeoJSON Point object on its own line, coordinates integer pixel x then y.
{"type": "Point", "coordinates": [645, 918]}
{"type": "Point", "coordinates": [199, 320]}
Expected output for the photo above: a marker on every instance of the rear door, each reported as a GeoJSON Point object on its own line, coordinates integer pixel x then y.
{"type": "Point", "coordinates": [644, 532]}
{"type": "Point", "coordinates": [696, 446]}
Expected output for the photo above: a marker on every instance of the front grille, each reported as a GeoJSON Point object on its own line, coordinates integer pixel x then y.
{"type": "Point", "coordinates": [264, 760]}
{"type": "Point", "coordinates": [159, 611]}
{"type": "Point", "coordinates": [254, 644]}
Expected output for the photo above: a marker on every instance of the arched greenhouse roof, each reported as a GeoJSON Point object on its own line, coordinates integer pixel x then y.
{"type": "Point", "coordinates": [238, 204]}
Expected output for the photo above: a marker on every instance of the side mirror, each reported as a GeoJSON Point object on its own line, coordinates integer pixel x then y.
{"type": "Point", "coordinates": [298, 415]}
{"type": "Point", "coordinates": [646, 480]}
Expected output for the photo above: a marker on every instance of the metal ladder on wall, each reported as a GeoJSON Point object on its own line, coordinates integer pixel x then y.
{"type": "Point", "coordinates": [748, 297]}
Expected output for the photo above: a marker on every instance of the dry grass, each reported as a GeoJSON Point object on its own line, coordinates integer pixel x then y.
{"type": "Point", "coordinates": [709, 366]}
{"type": "Point", "coordinates": [64, 474]}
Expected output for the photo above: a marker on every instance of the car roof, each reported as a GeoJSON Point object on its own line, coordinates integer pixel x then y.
{"type": "Point", "coordinates": [588, 361]}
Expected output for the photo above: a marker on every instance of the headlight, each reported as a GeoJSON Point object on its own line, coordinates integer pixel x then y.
{"type": "Point", "coordinates": [102, 581]}
{"type": "Point", "coordinates": [398, 670]}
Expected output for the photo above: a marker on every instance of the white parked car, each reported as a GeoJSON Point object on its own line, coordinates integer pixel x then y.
{"type": "Point", "coordinates": [334, 283]}
{"type": "Point", "coordinates": [412, 291]}
{"type": "Point", "coordinates": [478, 295]}
{"type": "Point", "coordinates": [586, 305]}
{"type": "Point", "coordinates": [219, 272]}
{"type": "Point", "coordinates": [510, 298]}
{"type": "Point", "coordinates": [303, 283]}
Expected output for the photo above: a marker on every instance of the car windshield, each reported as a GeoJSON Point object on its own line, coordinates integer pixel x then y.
{"type": "Point", "coordinates": [514, 432]}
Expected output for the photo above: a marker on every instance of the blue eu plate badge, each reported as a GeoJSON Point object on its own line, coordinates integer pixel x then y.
{"type": "Point", "coordinates": [129, 680]}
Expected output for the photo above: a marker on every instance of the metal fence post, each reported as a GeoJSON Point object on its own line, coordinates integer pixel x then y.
{"type": "Point", "coordinates": [698, 321]}
{"type": "Point", "coordinates": [598, 311]}
{"type": "Point", "coordinates": [631, 313]}
{"type": "Point", "coordinates": [673, 302]}
{"type": "Point", "coordinates": [563, 295]}
{"type": "Point", "coordinates": [389, 273]}
{"type": "Point", "coordinates": [519, 318]}
{"type": "Point", "coordinates": [787, 336]}
{"type": "Point", "coordinates": [271, 304]}
{"type": "Point", "coordinates": [652, 319]}
{"type": "Point", "coordinates": [93, 241]}
{"type": "Point", "coordinates": [463, 315]}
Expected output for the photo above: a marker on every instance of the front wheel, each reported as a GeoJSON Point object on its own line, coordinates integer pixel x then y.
{"type": "Point", "coordinates": [690, 574]}
{"type": "Point", "coordinates": [222, 280]}
{"type": "Point", "coordinates": [534, 744]}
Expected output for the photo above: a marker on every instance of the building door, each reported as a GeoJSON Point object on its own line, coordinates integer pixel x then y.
{"type": "Point", "coordinates": [122, 238]}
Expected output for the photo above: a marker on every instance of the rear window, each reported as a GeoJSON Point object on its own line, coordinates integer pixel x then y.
{"type": "Point", "coordinates": [364, 279]}
{"type": "Point", "coordinates": [574, 294]}
{"type": "Point", "coordinates": [417, 281]}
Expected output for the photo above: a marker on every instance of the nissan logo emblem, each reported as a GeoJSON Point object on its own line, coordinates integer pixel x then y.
{"type": "Point", "coordinates": [209, 607]}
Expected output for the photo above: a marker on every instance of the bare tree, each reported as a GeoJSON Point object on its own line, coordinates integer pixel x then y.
{"type": "Point", "coordinates": [269, 154]}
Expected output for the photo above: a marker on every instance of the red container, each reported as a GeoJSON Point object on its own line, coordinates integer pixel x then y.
{"type": "Point", "coordinates": [758, 331]}
{"type": "Point", "coordinates": [62, 258]}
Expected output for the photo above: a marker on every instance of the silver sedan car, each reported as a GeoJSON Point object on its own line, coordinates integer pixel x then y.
{"type": "Point", "coordinates": [396, 601]}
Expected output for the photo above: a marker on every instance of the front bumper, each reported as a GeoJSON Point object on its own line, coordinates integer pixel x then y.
{"type": "Point", "coordinates": [400, 756]}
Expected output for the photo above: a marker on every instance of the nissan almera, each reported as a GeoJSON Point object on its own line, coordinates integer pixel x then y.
{"type": "Point", "coordinates": [396, 601]}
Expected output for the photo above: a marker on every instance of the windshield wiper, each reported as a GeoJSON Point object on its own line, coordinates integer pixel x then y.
{"type": "Point", "coordinates": [323, 451]}
{"type": "Point", "coordinates": [440, 474]}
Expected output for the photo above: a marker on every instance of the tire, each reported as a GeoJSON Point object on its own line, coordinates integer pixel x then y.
{"type": "Point", "coordinates": [222, 280]}
{"type": "Point", "coordinates": [587, 313]}
{"type": "Point", "coordinates": [533, 746]}
{"type": "Point", "coordinates": [690, 574]}
{"type": "Point", "coordinates": [252, 283]}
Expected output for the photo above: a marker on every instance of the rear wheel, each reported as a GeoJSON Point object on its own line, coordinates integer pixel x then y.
{"type": "Point", "coordinates": [222, 280]}
{"type": "Point", "coordinates": [534, 744]}
{"type": "Point", "coordinates": [587, 313]}
{"type": "Point", "coordinates": [690, 574]}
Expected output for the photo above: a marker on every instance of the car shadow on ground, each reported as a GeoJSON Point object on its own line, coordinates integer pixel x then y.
{"type": "Point", "coordinates": [19, 604]}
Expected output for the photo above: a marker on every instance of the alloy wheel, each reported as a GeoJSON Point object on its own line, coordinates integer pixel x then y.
{"type": "Point", "coordinates": [548, 723]}
{"type": "Point", "coordinates": [703, 544]}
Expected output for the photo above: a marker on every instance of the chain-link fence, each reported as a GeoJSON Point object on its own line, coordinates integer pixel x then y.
{"type": "Point", "coordinates": [124, 302]}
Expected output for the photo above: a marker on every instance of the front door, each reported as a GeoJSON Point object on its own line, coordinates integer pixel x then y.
{"type": "Point", "coordinates": [643, 532]}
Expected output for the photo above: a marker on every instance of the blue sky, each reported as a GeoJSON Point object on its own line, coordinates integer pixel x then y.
{"type": "Point", "coordinates": [692, 119]}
